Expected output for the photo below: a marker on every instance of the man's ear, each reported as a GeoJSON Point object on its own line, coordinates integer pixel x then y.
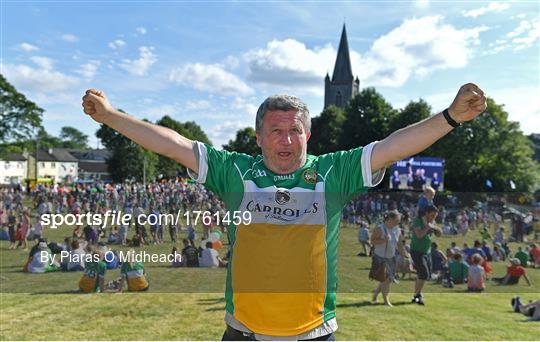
{"type": "Point", "coordinates": [258, 136]}
{"type": "Point", "coordinates": [308, 135]}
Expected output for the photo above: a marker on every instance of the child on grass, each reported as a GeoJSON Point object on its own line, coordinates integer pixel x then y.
{"type": "Point", "coordinates": [476, 278]}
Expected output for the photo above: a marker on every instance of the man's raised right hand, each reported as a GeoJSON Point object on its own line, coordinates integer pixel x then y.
{"type": "Point", "coordinates": [96, 105]}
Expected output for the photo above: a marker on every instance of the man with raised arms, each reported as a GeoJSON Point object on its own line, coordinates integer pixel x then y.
{"type": "Point", "coordinates": [282, 273]}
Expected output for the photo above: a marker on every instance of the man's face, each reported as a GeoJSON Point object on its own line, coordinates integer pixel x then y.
{"type": "Point", "coordinates": [283, 141]}
{"type": "Point", "coordinates": [430, 217]}
{"type": "Point", "coordinates": [392, 222]}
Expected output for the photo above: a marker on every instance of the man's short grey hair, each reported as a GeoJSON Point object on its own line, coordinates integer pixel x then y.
{"type": "Point", "coordinates": [285, 103]}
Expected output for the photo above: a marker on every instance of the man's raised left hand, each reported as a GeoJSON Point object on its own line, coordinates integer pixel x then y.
{"type": "Point", "coordinates": [468, 104]}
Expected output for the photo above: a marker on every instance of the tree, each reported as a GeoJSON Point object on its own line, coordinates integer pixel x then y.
{"type": "Point", "coordinates": [73, 138]}
{"type": "Point", "coordinates": [368, 117]}
{"type": "Point", "coordinates": [327, 129]}
{"type": "Point", "coordinates": [128, 158]}
{"type": "Point", "coordinates": [535, 139]}
{"type": "Point", "coordinates": [46, 140]}
{"type": "Point", "coordinates": [245, 142]}
{"type": "Point", "coordinates": [487, 148]}
{"type": "Point", "coordinates": [19, 117]}
{"type": "Point", "coordinates": [170, 168]}
{"type": "Point", "coordinates": [415, 111]}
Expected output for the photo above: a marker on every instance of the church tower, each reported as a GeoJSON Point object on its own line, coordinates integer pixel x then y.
{"type": "Point", "coordinates": [339, 90]}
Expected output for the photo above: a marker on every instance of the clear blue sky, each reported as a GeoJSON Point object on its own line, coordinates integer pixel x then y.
{"type": "Point", "coordinates": [215, 62]}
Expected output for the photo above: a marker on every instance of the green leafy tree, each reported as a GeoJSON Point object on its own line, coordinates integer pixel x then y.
{"type": "Point", "coordinates": [535, 140]}
{"type": "Point", "coordinates": [415, 111]}
{"type": "Point", "coordinates": [19, 117]}
{"type": "Point", "coordinates": [47, 141]}
{"type": "Point", "coordinates": [128, 158]}
{"type": "Point", "coordinates": [245, 142]}
{"type": "Point", "coordinates": [368, 118]}
{"type": "Point", "coordinates": [489, 147]}
{"type": "Point", "coordinates": [170, 168]}
{"type": "Point", "coordinates": [73, 138]}
{"type": "Point", "coordinates": [326, 131]}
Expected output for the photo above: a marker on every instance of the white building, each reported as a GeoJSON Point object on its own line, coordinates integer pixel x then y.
{"type": "Point", "coordinates": [66, 165]}
{"type": "Point", "coordinates": [13, 169]}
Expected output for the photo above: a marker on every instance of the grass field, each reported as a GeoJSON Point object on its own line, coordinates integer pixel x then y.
{"type": "Point", "coordinates": [188, 304]}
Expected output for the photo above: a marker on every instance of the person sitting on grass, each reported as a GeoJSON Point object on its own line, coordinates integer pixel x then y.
{"type": "Point", "coordinates": [476, 277]}
{"type": "Point", "coordinates": [190, 254]}
{"type": "Point", "coordinates": [522, 256]}
{"type": "Point", "coordinates": [93, 279]}
{"type": "Point", "coordinates": [210, 257]}
{"type": "Point", "coordinates": [134, 275]}
{"type": "Point", "coordinates": [458, 270]}
{"type": "Point", "coordinates": [42, 260]}
{"type": "Point", "coordinates": [177, 258]}
{"type": "Point", "coordinates": [498, 252]}
{"type": "Point", "coordinates": [75, 259]}
{"type": "Point", "coordinates": [513, 273]}
{"type": "Point", "coordinates": [535, 255]}
{"type": "Point", "coordinates": [439, 262]}
{"type": "Point", "coordinates": [487, 251]}
{"type": "Point", "coordinates": [531, 310]}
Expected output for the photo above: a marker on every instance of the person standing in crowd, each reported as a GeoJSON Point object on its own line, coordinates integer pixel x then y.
{"type": "Point", "coordinates": [363, 238]}
{"type": "Point", "coordinates": [12, 228]}
{"type": "Point", "coordinates": [422, 230]}
{"type": "Point", "coordinates": [385, 239]}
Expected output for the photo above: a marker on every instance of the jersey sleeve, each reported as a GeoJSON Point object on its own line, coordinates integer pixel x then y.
{"type": "Point", "coordinates": [215, 168]}
{"type": "Point", "coordinates": [351, 170]}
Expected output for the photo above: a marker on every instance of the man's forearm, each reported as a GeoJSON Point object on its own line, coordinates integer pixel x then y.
{"type": "Point", "coordinates": [155, 138]}
{"type": "Point", "coordinates": [409, 141]}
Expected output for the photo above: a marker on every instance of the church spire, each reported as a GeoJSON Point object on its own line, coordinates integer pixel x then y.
{"type": "Point", "coordinates": [343, 69]}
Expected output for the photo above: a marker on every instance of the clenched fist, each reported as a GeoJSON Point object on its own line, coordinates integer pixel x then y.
{"type": "Point", "coordinates": [468, 104]}
{"type": "Point", "coordinates": [96, 105]}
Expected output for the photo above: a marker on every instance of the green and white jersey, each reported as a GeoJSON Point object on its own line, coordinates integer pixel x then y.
{"type": "Point", "coordinates": [282, 271]}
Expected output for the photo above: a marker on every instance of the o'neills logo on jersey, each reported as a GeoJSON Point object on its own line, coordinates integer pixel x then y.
{"type": "Point", "coordinates": [281, 213]}
{"type": "Point", "coordinates": [283, 177]}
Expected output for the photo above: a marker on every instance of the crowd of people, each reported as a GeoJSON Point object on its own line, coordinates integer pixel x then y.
{"type": "Point", "coordinates": [471, 265]}
{"type": "Point", "coordinates": [397, 218]}
{"type": "Point", "coordinates": [87, 245]}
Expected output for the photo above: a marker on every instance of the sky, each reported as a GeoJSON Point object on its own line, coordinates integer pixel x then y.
{"type": "Point", "coordinates": [215, 62]}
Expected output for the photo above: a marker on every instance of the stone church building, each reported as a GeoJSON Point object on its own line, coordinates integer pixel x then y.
{"type": "Point", "coordinates": [343, 86]}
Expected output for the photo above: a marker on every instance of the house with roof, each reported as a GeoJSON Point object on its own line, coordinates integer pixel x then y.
{"type": "Point", "coordinates": [13, 168]}
{"type": "Point", "coordinates": [93, 164]}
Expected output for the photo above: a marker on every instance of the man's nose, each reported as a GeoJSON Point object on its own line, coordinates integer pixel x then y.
{"type": "Point", "coordinates": [286, 139]}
